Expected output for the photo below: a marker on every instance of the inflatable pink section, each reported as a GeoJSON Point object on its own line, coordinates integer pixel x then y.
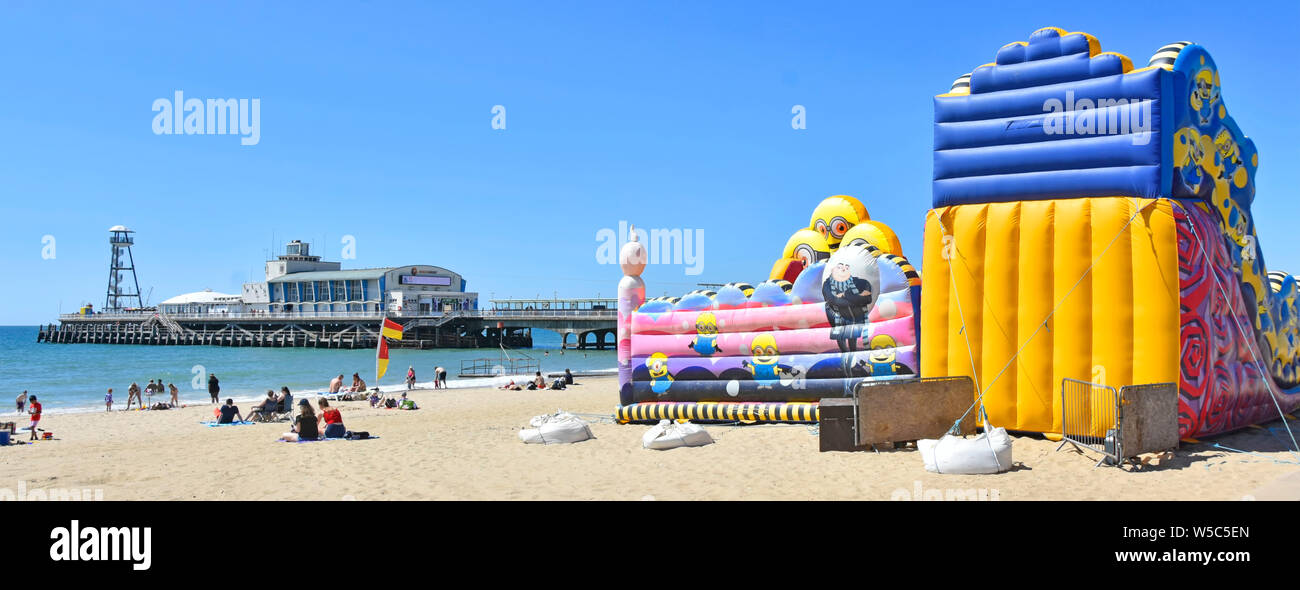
{"type": "Point", "coordinates": [801, 341]}
{"type": "Point", "coordinates": [757, 319]}
{"type": "Point", "coordinates": [761, 319]}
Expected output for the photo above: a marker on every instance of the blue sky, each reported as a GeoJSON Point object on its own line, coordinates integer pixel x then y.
{"type": "Point", "coordinates": [376, 123]}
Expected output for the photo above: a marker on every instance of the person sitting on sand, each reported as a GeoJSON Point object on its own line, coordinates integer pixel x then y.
{"type": "Point", "coordinates": [358, 384]}
{"type": "Point", "coordinates": [568, 377]}
{"type": "Point", "coordinates": [304, 426]}
{"type": "Point", "coordinates": [176, 395]}
{"type": "Point", "coordinates": [331, 420]}
{"type": "Point", "coordinates": [407, 404]}
{"type": "Point", "coordinates": [229, 412]}
{"type": "Point", "coordinates": [539, 382]}
{"type": "Point", "coordinates": [336, 384]}
{"type": "Point", "coordinates": [374, 399]}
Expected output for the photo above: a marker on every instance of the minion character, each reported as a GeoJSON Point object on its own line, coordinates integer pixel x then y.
{"type": "Point", "coordinates": [764, 367]}
{"type": "Point", "coordinates": [706, 339]}
{"type": "Point", "coordinates": [835, 216]}
{"type": "Point", "coordinates": [1233, 168]}
{"type": "Point", "coordinates": [804, 249]}
{"type": "Point", "coordinates": [1188, 154]}
{"type": "Point", "coordinates": [1204, 95]}
{"type": "Point", "coordinates": [883, 358]}
{"type": "Point", "coordinates": [876, 234]}
{"type": "Point", "coordinates": [660, 380]}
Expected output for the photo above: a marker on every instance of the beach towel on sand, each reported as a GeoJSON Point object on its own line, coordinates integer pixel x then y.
{"type": "Point", "coordinates": [214, 424]}
{"type": "Point", "coordinates": [329, 439]}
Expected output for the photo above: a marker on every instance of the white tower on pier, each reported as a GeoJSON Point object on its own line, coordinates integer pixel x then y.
{"type": "Point", "coordinates": [123, 286]}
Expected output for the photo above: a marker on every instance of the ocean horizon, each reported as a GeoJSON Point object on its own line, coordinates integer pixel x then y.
{"type": "Point", "coordinates": [75, 377]}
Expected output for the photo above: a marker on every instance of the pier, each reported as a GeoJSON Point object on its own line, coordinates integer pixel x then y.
{"type": "Point", "coordinates": [509, 322]}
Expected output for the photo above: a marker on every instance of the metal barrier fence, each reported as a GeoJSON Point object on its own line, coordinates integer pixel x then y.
{"type": "Point", "coordinates": [1090, 414]}
{"type": "Point", "coordinates": [499, 367]}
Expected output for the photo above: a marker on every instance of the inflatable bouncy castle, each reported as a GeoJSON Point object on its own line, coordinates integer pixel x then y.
{"type": "Point", "coordinates": [838, 309]}
{"type": "Point", "coordinates": [1092, 220]}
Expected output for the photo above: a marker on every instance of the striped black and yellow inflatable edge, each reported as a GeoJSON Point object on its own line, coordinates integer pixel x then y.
{"type": "Point", "coordinates": [909, 271]}
{"type": "Point", "coordinates": [797, 412]}
{"type": "Point", "coordinates": [1167, 55]}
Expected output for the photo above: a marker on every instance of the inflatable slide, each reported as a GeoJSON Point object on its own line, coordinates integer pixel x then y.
{"type": "Point", "coordinates": [839, 308]}
{"type": "Point", "coordinates": [1092, 220]}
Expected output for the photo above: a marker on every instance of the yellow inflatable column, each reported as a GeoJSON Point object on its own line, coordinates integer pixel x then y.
{"type": "Point", "coordinates": [1036, 388]}
{"type": "Point", "coordinates": [936, 298]}
{"type": "Point", "coordinates": [1156, 296]}
{"type": "Point", "coordinates": [1000, 305]}
{"type": "Point", "coordinates": [1071, 326]}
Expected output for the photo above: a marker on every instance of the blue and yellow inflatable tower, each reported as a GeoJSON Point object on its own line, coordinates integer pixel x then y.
{"type": "Point", "coordinates": [1093, 221]}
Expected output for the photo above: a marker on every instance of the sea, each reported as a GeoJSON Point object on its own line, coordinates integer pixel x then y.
{"type": "Point", "coordinates": [75, 377]}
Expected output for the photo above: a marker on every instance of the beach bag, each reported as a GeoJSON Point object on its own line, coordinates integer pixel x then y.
{"type": "Point", "coordinates": [987, 453]}
{"type": "Point", "coordinates": [670, 435]}
{"type": "Point", "coordinates": [356, 435]}
{"type": "Point", "coordinates": [390, 403]}
{"type": "Point", "coordinates": [558, 428]}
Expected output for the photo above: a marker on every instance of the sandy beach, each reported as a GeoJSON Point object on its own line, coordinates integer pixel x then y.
{"type": "Point", "coordinates": [463, 444]}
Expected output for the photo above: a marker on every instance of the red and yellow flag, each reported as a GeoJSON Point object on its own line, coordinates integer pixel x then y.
{"type": "Point", "coordinates": [392, 329]}
{"type": "Point", "coordinates": [381, 360]}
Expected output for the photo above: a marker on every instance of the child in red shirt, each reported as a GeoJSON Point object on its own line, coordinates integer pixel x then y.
{"type": "Point", "coordinates": [35, 410]}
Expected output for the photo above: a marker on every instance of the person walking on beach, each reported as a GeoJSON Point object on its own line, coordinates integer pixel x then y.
{"type": "Point", "coordinates": [35, 411]}
{"type": "Point", "coordinates": [108, 400]}
{"type": "Point", "coordinates": [132, 393]}
{"type": "Point", "coordinates": [176, 395]}
{"type": "Point", "coordinates": [214, 387]}
{"type": "Point", "coordinates": [410, 378]}
{"type": "Point", "coordinates": [22, 400]}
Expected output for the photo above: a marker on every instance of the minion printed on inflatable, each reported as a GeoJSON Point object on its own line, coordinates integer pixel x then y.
{"type": "Point", "coordinates": [706, 341]}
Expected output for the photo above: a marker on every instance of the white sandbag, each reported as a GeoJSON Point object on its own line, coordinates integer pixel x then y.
{"type": "Point", "coordinates": [558, 416]}
{"type": "Point", "coordinates": [987, 453]}
{"type": "Point", "coordinates": [557, 428]}
{"type": "Point", "coordinates": [670, 435]}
